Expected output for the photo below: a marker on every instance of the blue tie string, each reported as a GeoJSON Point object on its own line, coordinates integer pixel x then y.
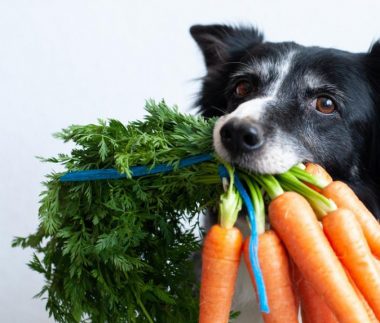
{"type": "Point", "coordinates": [136, 171]}
{"type": "Point", "coordinates": [254, 241]}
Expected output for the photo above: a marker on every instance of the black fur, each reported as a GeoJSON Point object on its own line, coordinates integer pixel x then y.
{"type": "Point", "coordinates": [346, 142]}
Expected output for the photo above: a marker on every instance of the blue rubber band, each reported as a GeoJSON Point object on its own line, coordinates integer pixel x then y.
{"type": "Point", "coordinates": [254, 241]}
{"type": "Point", "coordinates": [136, 171]}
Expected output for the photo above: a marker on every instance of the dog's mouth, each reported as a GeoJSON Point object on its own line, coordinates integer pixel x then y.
{"type": "Point", "coordinates": [271, 165]}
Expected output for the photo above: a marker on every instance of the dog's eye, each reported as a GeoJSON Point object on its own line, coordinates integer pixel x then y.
{"type": "Point", "coordinates": [243, 88]}
{"type": "Point", "coordinates": [324, 105]}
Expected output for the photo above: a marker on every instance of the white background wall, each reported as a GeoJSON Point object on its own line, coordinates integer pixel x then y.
{"type": "Point", "coordinates": [64, 62]}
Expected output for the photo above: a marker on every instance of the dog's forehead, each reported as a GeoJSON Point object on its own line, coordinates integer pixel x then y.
{"type": "Point", "coordinates": [313, 65]}
{"type": "Point", "coordinates": [267, 60]}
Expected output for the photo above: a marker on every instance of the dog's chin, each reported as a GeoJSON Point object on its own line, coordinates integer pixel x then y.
{"type": "Point", "coordinates": [267, 168]}
{"type": "Point", "coordinates": [275, 162]}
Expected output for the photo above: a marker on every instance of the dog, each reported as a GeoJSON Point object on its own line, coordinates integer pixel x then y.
{"type": "Point", "coordinates": [281, 104]}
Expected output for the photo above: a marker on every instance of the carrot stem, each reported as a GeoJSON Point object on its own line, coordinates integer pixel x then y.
{"type": "Point", "coordinates": [230, 202]}
{"type": "Point", "coordinates": [258, 202]}
{"type": "Point", "coordinates": [320, 204]}
{"type": "Point", "coordinates": [300, 166]}
{"type": "Point", "coordinates": [304, 176]}
{"type": "Point", "coordinates": [270, 184]}
{"type": "Point", "coordinates": [150, 320]}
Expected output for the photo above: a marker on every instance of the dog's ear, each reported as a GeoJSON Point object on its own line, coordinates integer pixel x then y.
{"type": "Point", "coordinates": [375, 49]}
{"type": "Point", "coordinates": [373, 64]}
{"type": "Point", "coordinates": [372, 157]}
{"type": "Point", "coordinates": [373, 75]}
{"type": "Point", "coordinates": [218, 42]}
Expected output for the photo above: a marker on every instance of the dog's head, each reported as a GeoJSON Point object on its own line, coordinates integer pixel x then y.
{"type": "Point", "coordinates": [283, 103]}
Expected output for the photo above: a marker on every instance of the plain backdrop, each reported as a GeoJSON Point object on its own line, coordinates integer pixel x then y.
{"type": "Point", "coordinates": [64, 62]}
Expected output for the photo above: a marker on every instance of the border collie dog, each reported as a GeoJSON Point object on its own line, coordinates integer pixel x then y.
{"type": "Point", "coordinates": [282, 103]}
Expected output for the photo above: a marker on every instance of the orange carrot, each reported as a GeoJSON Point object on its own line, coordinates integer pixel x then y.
{"type": "Point", "coordinates": [294, 278]}
{"type": "Point", "coordinates": [313, 307]}
{"type": "Point", "coordinates": [293, 219]}
{"type": "Point", "coordinates": [377, 262]}
{"type": "Point", "coordinates": [320, 172]}
{"type": "Point", "coordinates": [371, 314]}
{"type": "Point", "coordinates": [347, 239]}
{"type": "Point", "coordinates": [345, 198]}
{"type": "Point", "coordinates": [274, 266]}
{"type": "Point", "coordinates": [220, 262]}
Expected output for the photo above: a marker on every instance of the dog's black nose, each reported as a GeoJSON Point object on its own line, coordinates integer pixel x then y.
{"type": "Point", "coordinates": [241, 136]}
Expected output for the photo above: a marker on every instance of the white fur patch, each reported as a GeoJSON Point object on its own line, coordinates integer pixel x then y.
{"type": "Point", "coordinates": [282, 72]}
{"type": "Point", "coordinates": [252, 109]}
{"type": "Point", "coordinates": [313, 80]}
{"type": "Point", "coordinates": [217, 140]}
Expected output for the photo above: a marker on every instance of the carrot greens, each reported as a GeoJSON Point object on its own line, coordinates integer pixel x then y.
{"type": "Point", "coordinates": [120, 250]}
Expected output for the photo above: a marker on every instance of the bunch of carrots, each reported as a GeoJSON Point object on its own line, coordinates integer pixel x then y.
{"type": "Point", "coordinates": [319, 257]}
